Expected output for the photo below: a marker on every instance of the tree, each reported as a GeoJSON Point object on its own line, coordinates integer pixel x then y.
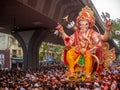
{"type": "Point", "coordinates": [116, 31]}
{"type": "Point", "coordinates": [43, 50]}
{"type": "Point", "coordinates": [58, 51]}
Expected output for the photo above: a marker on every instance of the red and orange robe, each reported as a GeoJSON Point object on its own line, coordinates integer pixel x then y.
{"type": "Point", "coordinates": [73, 56]}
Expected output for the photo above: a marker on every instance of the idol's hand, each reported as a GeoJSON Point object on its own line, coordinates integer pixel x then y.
{"type": "Point", "coordinates": [83, 50]}
{"type": "Point", "coordinates": [93, 50]}
{"type": "Point", "coordinates": [108, 25]}
{"type": "Point", "coordinates": [77, 50]}
{"type": "Point", "coordinates": [60, 28]}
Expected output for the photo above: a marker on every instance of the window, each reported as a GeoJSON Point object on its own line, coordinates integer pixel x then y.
{"type": "Point", "coordinates": [14, 53]}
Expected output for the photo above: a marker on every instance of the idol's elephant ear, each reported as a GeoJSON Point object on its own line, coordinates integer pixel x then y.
{"type": "Point", "coordinates": [108, 55]}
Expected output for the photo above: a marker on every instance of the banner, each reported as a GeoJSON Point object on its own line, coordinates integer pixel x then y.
{"type": "Point", "coordinates": [4, 59]}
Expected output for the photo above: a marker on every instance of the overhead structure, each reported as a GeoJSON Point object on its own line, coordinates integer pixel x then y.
{"type": "Point", "coordinates": [33, 21]}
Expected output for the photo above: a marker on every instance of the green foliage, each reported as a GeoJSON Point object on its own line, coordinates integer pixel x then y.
{"type": "Point", "coordinates": [41, 55]}
{"type": "Point", "coordinates": [116, 27]}
{"type": "Point", "coordinates": [46, 49]}
{"type": "Point", "coordinates": [43, 49]}
{"type": "Point", "coordinates": [57, 51]}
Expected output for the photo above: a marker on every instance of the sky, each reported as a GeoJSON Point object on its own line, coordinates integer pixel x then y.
{"type": "Point", "coordinates": [110, 6]}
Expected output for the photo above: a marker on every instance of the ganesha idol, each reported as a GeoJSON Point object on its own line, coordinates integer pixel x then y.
{"type": "Point", "coordinates": [84, 48]}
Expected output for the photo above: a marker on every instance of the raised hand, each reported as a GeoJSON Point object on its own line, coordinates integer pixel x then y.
{"type": "Point", "coordinates": [60, 28]}
{"type": "Point", "coordinates": [106, 18]}
{"type": "Point", "coordinates": [108, 25]}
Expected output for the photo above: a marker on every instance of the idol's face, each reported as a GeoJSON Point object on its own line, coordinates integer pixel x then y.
{"type": "Point", "coordinates": [84, 24]}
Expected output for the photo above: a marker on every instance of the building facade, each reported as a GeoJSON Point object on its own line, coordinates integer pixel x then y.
{"type": "Point", "coordinates": [9, 44]}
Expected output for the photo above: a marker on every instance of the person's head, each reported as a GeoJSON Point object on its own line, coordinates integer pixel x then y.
{"type": "Point", "coordinates": [85, 16]}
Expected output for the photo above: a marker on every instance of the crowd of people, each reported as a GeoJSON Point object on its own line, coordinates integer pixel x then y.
{"type": "Point", "coordinates": [83, 49]}
{"type": "Point", "coordinates": [51, 77]}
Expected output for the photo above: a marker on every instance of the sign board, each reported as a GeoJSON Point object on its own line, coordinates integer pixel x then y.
{"type": "Point", "coordinates": [5, 59]}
